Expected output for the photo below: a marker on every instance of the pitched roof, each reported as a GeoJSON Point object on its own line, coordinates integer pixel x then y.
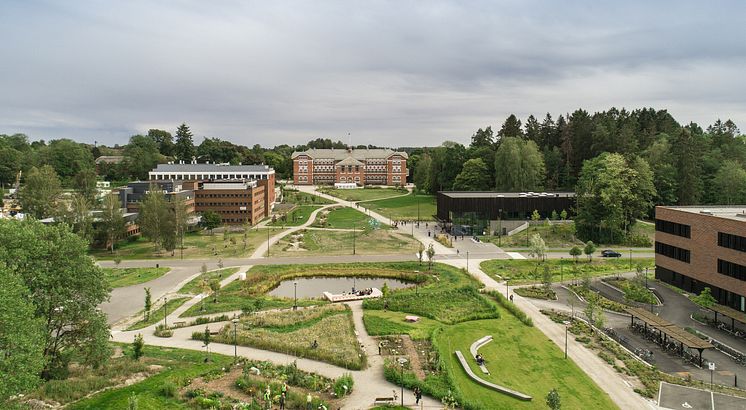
{"type": "Point", "coordinates": [359, 154]}
{"type": "Point", "coordinates": [349, 161]}
{"type": "Point", "coordinates": [211, 168]}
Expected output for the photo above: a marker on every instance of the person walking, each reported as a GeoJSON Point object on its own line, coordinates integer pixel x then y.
{"type": "Point", "coordinates": [417, 395]}
{"type": "Point", "coordinates": [282, 401]}
{"type": "Point", "coordinates": [309, 399]}
{"type": "Point", "coordinates": [380, 347]}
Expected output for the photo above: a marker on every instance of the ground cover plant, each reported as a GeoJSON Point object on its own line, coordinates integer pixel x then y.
{"type": "Point", "coordinates": [194, 286]}
{"type": "Point", "coordinates": [382, 323]}
{"type": "Point", "coordinates": [197, 245]}
{"type": "Point", "coordinates": [603, 302]}
{"type": "Point", "coordinates": [303, 198]}
{"type": "Point", "coordinates": [405, 207]}
{"type": "Point", "coordinates": [634, 290]}
{"type": "Point", "coordinates": [120, 277]}
{"type": "Point", "coordinates": [297, 216]}
{"type": "Point", "coordinates": [365, 194]}
{"type": "Point", "coordinates": [157, 315]}
{"type": "Point", "coordinates": [367, 242]}
{"type": "Point", "coordinates": [561, 236]}
{"type": "Point", "coordinates": [325, 333]}
{"type": "Point", "coordinates": [344, 218]}
{"type": "Point", "coordinates": [527, 271]}
{"type": "Point", "coordinates": [166, 366]}
{"type": "Point", "coordinates": [536, 292]}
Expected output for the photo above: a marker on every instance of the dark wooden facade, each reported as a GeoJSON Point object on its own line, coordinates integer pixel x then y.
{"type": "Point", "coordinates": [494, 206]}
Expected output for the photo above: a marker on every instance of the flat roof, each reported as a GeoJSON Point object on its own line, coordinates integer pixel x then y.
{"type": "Point", "coordinates": [736, 212]}
{"type": "Point", "coordinates": [222, 168]}
{"type": "Point", "coordinates": [673, 331]}
{"type": "Point", "coordinates": [491, 194]}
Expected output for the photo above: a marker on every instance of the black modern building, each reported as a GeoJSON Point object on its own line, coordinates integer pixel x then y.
{"type": "Point", "coordinates": [477, 209]}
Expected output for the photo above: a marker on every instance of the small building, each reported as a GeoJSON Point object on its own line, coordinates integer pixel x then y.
{"type": "Point", "coordinates": [476, 211]}
{"type": "Point", "coordinates": [703, 246]}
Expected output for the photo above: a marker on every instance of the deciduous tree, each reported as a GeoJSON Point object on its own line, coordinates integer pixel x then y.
{"type": "Point", "coordinates": [519, 166]}
{"type": "Point", "coordinates": [473, 176]}
{"type": "Point", "coordinates": [40, 192]}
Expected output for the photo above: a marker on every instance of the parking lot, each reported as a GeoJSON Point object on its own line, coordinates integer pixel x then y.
{"type": "Point", "coordinates": [672, 396]}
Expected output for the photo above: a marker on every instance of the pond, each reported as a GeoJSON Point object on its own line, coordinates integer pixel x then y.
{"type": "Point", "coordinates": [315, 287]}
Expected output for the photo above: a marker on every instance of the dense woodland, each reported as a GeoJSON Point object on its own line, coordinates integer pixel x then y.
{"type": "Point", "coordinates": [640, 158]}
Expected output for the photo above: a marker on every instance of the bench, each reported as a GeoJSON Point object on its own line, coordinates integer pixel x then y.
{"type": "Point", "coordinates": [179, 324]}
{"type": "Point", "coordinates": [384, 400]}
{"type": "Point", "coordinates": [474, 348]}
{"type": "Point", "coordinates": [518, 395]}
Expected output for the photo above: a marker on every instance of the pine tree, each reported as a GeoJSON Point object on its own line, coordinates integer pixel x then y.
{"type": "Point", "coordinates": [184, 148]}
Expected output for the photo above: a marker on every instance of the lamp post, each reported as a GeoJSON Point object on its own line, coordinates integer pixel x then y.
{"type": "Point", "coordinates": [418, 212]}
{"type": "Point", "coordinates": [402, 361]}
{"type": "Point", "coordinates": [630, 259]}
{"type": "Point", "coordinates": [353, 239]}
{"type": "Point", "coordinates": [467, 261]}
{"type": "Point", "coordinates": [500, 230]}
{"type": "Point", "coordinates": [165, 302]}
{"type": "Point", "coordinates": [268, 242]}
{"type": "Point", "coordinates": [235, 339]}
{"type": "Point", "coordinates": [562, 258]}
{"type": "Point", "coordinates": [567, 326]}
{"type": "Point", "coordinates": [527, 226]}
{"type": "Point", "coordinates": [507, 286]}
{"type": "Point", "coordinates": [295, 295]}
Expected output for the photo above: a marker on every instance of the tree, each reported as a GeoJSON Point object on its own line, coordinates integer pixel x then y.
{"type": "Point", "coordinates": [589, 248]}
{"type": "Point", "coordinates": [473, 176]}
{"type": "Point", "coordinates": [575, 251]}
{"type": "Point", "coordinates": [65, 287]}
{"type": "Point", "coordinates": [554, 215]}
{"type": "Point", "coordinates": [76, 213]}
{"type": "Point", "coordinates": [430, 256]}
{"type": "Point", "coordinates": [210, 220]}
{"type": "Point", "coordinates": [39, 195]}
{"type": "Point", "coordinates": [111, 224]}
{"type": "Point", "coordinates": [214, 285]}
{"type": "Point", "coordinates": [537, 248]}
{"type": "Point", "coordinates": [535, 216]}
{"type": "Point", "coordinates": [164, 140]}
{"type": "Point", "coordinates": [137, 347]}
{"type": "Point", "coordinates": [563, 215]}
{"type": "Point", "coordinates": [553, 400]}
{"type": "Point", "coordinates": [148, 304]}
{"type": "Point", "coordinates": [592, 310]}
{"type": "Point", "coordinates": [21, 337]}
{"type": "Point", "coordinates": [705, 298]}
{"type": "Point", "coordinates": [184, 147]}
{"type": "Point", "coordinates": [729, 183]}
{"type": "Point", "coordinates": [141, 155]}
{"type": "Point", "coordinates": [546, 277]}
{"type": "Point", "coordinates": [206, 340]}
{"type": "Point", "coordinates": [85, 183]}
{"type": "Point", "coordinates": [511, 128]}
{"type": "Point", "coordinates": [385, 290]}
{"type": "Point", "coordinates": [519, 166]}
{"type": "Point", "coordinates": [421, 253]}
{"type": "Point", "coordinates": [155, 217]}
{"type": "Point", "coordinates": [68, 158]}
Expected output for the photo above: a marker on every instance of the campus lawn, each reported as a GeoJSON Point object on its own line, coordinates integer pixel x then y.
{"type": "Point", "coordinates": [297, 216]}
{"type": "Point", "coordinates": [367, 242]}
{"type": "Point", "coordinates": [194, 285]}
{"type": "Point", "coordinates": [294, 332]}
{"type": "Point", "coordinates": [157, 315]}
{"type": "Point", "coordinates": [303, 198]}
{"type": "Point", "coordinates": [365, 194]}
{"type": "Point", "coordinates": [405, 207]}
{"type": "Point", "coordinates": [556, 235]}
{"type": "Point", "coordinates": [525, 271]}
{"type": "Point", "coordinates": [197, 245]}
{"type": "Point", "coordinates": [382, 323]}
{"type": "Point", "coordinates": [120, 277]}
{"type": "Point", "coordinates": [178, 365]}
{"type": "Point", "coordinates": [520, 358]}
{"type": "Point", "coordinates": [344, 218]}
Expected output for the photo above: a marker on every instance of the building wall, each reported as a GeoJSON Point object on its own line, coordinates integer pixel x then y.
{"type": "Point", "coordinates": [235, 206]}
{"type": "Point", "coordinates": [373, 171]}
{"type": "Point", "coordinates": [702, 269]}
{"type": "Point", "coordinates": [488, 208]}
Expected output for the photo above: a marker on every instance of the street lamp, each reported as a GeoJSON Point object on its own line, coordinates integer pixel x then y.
{"type": "Point", "coordinates": [467, 261]}
{"type": "Point", "coordinates": [507, 286]}
{"type": "Point", "coordinates": [353, 239]}
{"type": "Point", "coordinates": [527, 226]}
{"type": "Point", "coordinates": [165, 302]}
{"type": "Point", "coordinates": [402, 361]}
{"type": "Point", "coordinates": [295, 295]}
{"type": "Point", "coordinates": [235, 338]}
{"type": "Point", "coordinates": [561, 272]}
{"type": "Point", "coordinates": [500, 231]}
{"type": "Point", "coordinates": [567, 326]}
{"type": "Point", "coordinates": [268, 242]}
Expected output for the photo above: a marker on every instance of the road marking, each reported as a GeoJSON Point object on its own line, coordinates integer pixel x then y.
{"type": "Point", "coordinates": [515, 255]}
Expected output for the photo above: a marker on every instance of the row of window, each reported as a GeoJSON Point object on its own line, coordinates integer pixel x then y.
{"type": "Point", "coordinates": [673, 228]}
{"type": "Point", "coordinates": [731, 269]}
{"type": "Point", "coordinates": [244, 195]}
{"type": "Point", "coordinates": [727, 240]}
{"type": "Point", "coordinates": [225, 203]}
{"type": "Point", "coordinates": [672, 251]}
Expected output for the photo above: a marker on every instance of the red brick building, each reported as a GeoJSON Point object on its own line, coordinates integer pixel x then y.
{"type": "Point", "coordinates": [360, 166]}
{"type": "Point", "coordinates": [237, 202]}
{"type": "Point", "coordinates": [701, 246]}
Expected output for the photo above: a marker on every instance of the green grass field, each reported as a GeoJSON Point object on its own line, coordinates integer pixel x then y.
{"type": "Point", "coordinates": [368, 242]}
{"type": "Point", "coordinates": [120, 277]}
{"type": "Point", "coordinates": [197, 245]}
{"type": "Point", "coordinates": [194, 285]}
{"type": "Point", "coordinates": [526, 271]}
{"type": "Point", "coordinates": [405, 207]}
{"type": "Point", "coordinates": [381, 323]}
{"type": "Point", "coordinates": [303, 198]}
{"type": "Point", "coordinates": [297, 216]}
{"type": "Point", "coordinates": [365, 194]}
{"type": "Point", "coordinates": [561, 236]}
{"type": "Point", "coordinates": [344, 218]}
{"type": "Point", "coordinates": [520, 358]}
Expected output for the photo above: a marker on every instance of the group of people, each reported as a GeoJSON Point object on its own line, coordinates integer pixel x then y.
{"type": "Point", "coordinates": [362, 292]}
{"type": "Point", "coordinates": [284, 395]}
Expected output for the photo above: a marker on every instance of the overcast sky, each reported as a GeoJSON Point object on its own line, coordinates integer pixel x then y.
{"type": "Point", "coordinates": [396, 73]}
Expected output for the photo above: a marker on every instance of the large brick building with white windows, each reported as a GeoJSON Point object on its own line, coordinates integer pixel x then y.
{"type": "Point", "coordinates": [360, 166]}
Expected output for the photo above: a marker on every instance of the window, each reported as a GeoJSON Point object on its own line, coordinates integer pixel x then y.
{"type": "Point", "coordinates": [672, 251]}
{"type": "Point", "coordinates": [673, 228]}
{"type": "Point", "coordinates": [731, 269]}
{"type": "Point", "coordinates": [727, 240]}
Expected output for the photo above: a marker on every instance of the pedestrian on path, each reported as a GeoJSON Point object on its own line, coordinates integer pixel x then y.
{"type": "Point", "coordinates": [309, 399]}
{"type": "Point", "coordinates": [282, 401]}
{"type": "Point", "coordinates": [417, 395]}
{"type": "Point", "coordinates": [380, 346]}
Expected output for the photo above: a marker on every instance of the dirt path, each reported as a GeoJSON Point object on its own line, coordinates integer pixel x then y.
{"type": "Point", "coordinates": [413, 357]}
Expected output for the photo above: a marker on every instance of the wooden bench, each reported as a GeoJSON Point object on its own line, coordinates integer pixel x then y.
{"type": "Point", "coordinates": [179, 324]}
{"type": "Point", "coordinates": [384, 400]}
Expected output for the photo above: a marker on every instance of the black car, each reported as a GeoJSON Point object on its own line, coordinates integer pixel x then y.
{"type": "Point", "coordinates": [608, 253]}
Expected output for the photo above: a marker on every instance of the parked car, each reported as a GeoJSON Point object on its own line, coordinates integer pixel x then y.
{"type": "Point", "coordinates": [608, 253]}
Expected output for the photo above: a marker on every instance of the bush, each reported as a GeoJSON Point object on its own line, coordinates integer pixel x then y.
{"type": "Point", "coordinates": [168, 389]}
{"type": "Point", "coordinates": [344, 381]}
{"type": "Point", "coordinates": [639, 240]}
{"type": "Point", "coordinates": [536, 293]}
{"type": "Point", "coordinates": [511, 307]}
{"type": "Point", "coordinates": [163, 331]}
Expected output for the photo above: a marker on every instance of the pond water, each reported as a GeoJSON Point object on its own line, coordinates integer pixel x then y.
{"type": "Point", "coordinates": [315, 287]}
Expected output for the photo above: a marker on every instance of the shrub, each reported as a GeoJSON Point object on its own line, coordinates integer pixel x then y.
{"type": "Point", "coordinates": [511, 307]}
{"type": "Point", "coordinates": [639, 240]}
{"type": "Point", "coordinates": [343, 385]}
{"type": "Point", "coordinates": [536, 293]}
{"type": "Point", "coordinates": [163, 331]}
{"type": "Point", "coordinates": [168, 389]}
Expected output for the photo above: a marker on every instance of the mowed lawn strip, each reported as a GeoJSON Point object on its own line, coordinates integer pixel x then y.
{"type": "Point", "coordinates": [367, 242]}
{"type": "Point", "coordinates": [365, 194]}
{"type": "Point", "coordinates": [382, 323]}
{"type": "Point", "coordinates": [297, 216]}
{"type": "Point", "coordinates": [520, 358]}
{"type": "Point", "coordinates": [405, 207]}
{"type": "Point", "coordinates": [344, 218]}
{"type": "Point", "coordinates": [527, 271]}
{"type": "Point", "coordinates": [120, 277]}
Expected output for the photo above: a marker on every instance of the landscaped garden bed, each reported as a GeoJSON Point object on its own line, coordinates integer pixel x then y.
{"type": "Point", "coordinates": [536, 292]}
{"type": "Point", "coordinates": [529, 271]}
{"type": "Point", "coordinates": [120, 277]}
